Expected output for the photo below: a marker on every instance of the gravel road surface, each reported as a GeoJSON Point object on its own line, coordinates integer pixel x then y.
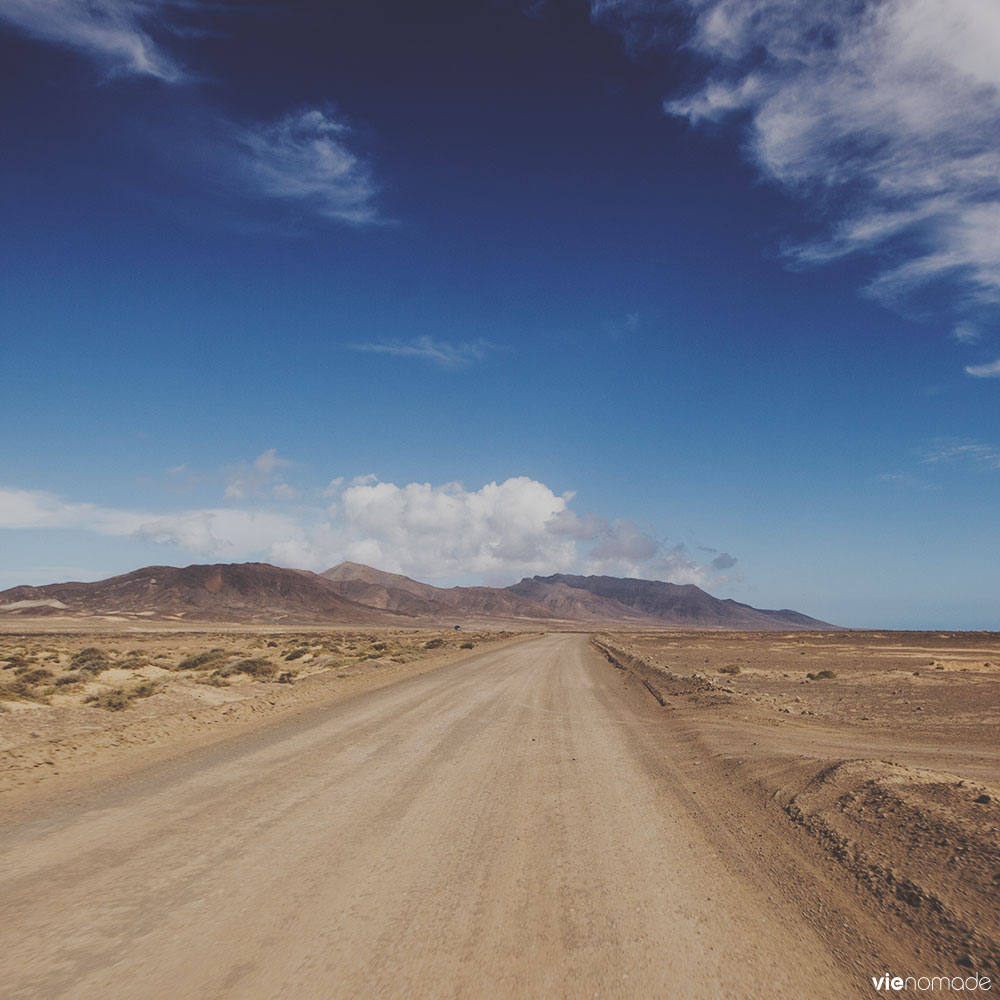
{"type": "Point", "coordinates": [508, 826]}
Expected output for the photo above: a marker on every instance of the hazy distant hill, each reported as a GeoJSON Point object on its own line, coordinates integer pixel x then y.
{"type": "Point", "coordinates": [575, 603]}
{"type": "Point", "coordinates": [399, 593]}
{"type": "Point", "coordinates": [352, 594]}
{"type": "Point", "coordinates": [666, 603]}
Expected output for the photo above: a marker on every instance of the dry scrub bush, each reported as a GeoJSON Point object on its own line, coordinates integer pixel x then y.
{"type": "Point", "coordinates": [19, 689]}
{"type": "Point", "coordinates": [204, 661]}
{"type": "Point", "coordinates": [257, 667]}
{"type": "Point", "coordinates": [91, 659]}
{"type": "Point", "coordinates": [118, 698]}
{"type": "Point", "coordinates": [18, 662]}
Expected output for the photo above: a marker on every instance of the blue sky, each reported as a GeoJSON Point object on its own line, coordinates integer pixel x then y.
{"type": "Point", "coordinates": [701, 290]}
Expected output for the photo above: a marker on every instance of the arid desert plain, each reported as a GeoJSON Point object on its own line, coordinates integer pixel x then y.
{"type": "Point", "coordinates": [249, 812]}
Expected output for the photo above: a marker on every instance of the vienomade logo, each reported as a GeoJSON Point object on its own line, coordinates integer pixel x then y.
{"type": "Point", "coordinates": [926, 984]}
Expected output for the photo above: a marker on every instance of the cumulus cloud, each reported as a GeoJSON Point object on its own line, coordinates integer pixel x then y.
{"type": "Point", "coordinates": [305, 159]}
{"type": "Point", "coordinates": [114, 33]}
{"type": "Point", "coordinates": [499, 530]}
{"type": "Point", "coordinates": [884, 113]}
{"type": "Point", "coordinates": [442, 353]}
{"type": "Point", "coordinates": [984, 371]}
{"type": "Point", "coordinates": [497, 533]}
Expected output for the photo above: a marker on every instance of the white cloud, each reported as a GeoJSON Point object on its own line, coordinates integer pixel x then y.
{"type": "Point", "coordinates": [304, 159]}
{"type": "Point", "coordinates": [41, 509]}
{"type": "Point", "coordinates": [497, 533]}
{"type": "Point", "coordinates": [984, 371]}
{"type": "Point", "coordinates": [223, 533]}
{"type": "Point", "coordinates": [114, 33]}
{"type": "Point", "coordinates": [438, 352]}
{"type": "Point", "coordinates": [885, 113]}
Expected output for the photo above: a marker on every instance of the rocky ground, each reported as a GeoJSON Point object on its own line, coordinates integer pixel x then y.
{"type": "Point", "coordinates": [881, 749]}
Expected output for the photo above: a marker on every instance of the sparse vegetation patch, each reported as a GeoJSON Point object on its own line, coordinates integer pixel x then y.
{"type": "Point", "coordinates": [121, 697]}
{"type": "Point", "coordinates": [208, 660]}
{"type": "Point", "coordinates": [91, 659]}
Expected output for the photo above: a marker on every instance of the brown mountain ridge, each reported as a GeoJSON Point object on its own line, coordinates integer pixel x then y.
{"type": "Point", "coordinates": [353, 594]}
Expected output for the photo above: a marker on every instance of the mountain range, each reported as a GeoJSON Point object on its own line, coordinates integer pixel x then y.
{"type": "Point", "coordinates": [352, 594]}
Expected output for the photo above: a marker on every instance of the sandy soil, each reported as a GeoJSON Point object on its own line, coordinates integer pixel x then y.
{"type": "Point", "coordinates": [59, 715]}
{"type": "Point", "coordinates": [889, 768]}
{"type": "Point", "coordinates": [527, 820]}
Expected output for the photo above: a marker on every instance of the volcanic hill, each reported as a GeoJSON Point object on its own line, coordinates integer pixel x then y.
{"type": "Point", "coordinates": [352, 594]}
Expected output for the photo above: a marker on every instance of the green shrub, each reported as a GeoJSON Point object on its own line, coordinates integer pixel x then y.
{"type": "Point", "coordinates": [296, 654]}
{"type": "Point", "coordinates": [467, 645]}
{"type": "Point", "coordinates": [286, 677]}
{"type": "Point", "coordinates": [433, 643]}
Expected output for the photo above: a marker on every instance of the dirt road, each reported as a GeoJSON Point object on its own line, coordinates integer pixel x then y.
{"type": "Point", "coordinates": [510, 826]}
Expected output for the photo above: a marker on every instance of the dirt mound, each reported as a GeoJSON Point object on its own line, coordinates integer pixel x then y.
{"type": "Point", "coordinates": [924, 843]}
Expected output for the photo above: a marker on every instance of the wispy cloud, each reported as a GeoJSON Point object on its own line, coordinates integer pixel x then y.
{"type": "Point", "coordinates": [963, 451]}
{"type": "Point", "coordinates": [885, 113]}
{"type": "Point", "coordinates": [247, 480]}
{"type": "Point", "coordinates": [305, 159]}
{"type": "Point", "coordinates": [620, 327]}
{"type": "Point", "coordinates": [984, 371]}
{"type": "Point", "coordinates": [114, 33]}
{"type": "Point", "coordinates": [905, 480]}
{"type": "Point", "coordinates": [966, 333]}
{"type": "Point", "coordinates": [442, 353]}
